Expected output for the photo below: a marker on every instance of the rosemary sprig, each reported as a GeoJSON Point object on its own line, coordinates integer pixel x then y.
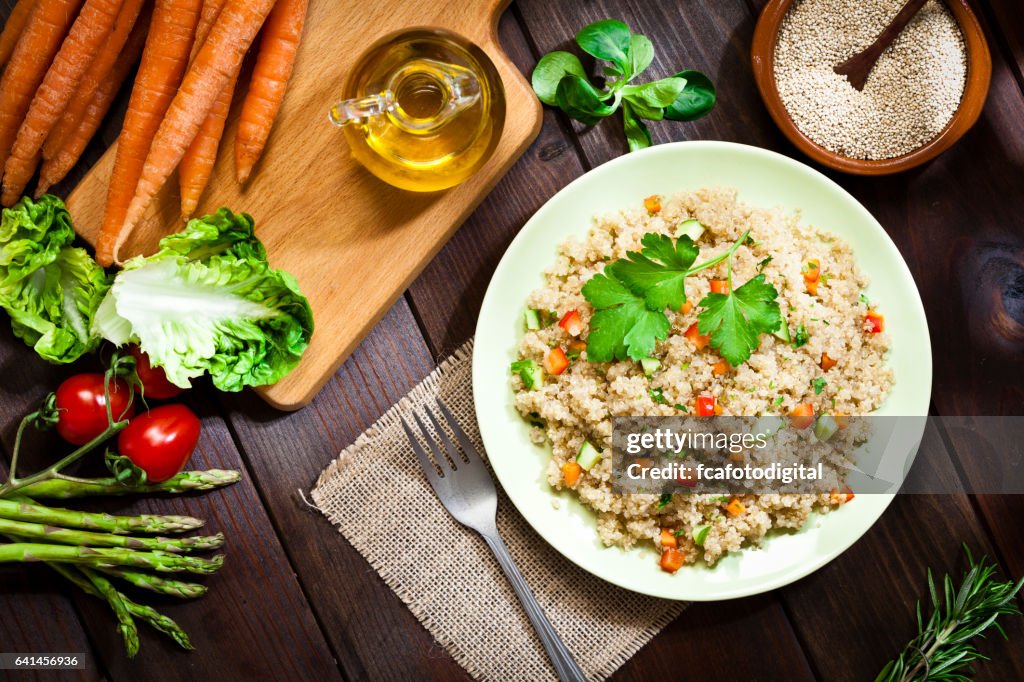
{"type": "Point", "coordinates": [943, 648]}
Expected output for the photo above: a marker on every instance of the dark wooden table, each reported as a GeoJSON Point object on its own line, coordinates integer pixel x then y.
{"type": "Point", "coordinates": [296, 601]}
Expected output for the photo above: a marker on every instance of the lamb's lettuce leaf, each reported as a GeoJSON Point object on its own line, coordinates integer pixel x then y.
{"type": "Point", "coordinates": [208, 302]}
{"type": "Point", "coordinates": [50, 289]}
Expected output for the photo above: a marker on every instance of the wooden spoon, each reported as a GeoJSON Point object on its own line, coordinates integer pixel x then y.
{"type": "Point", "coordinates": [857, 67]}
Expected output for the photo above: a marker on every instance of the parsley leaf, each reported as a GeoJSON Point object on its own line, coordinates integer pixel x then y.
{"type": "Point", "coordinates": [801, 337]}
{"type": "Point", "coordinates": [735, 320]}
{"type": "Point", "coordinates": [819, 385]}
{"type": "Point", "coordinates": [657, 272]}
{"type": "Point", "coordinates": [622, 326]}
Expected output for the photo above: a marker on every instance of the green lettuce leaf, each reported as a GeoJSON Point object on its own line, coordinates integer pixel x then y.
{"type": "Point", "coordinates": [208, 302]}
{"type": "Point", "coordinates": [50, 290]}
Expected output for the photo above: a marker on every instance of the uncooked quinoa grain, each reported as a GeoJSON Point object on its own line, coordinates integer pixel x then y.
{"type": "Point", "coordinates": [579, 403]}
{"type": "Point", "coordinates": [910, 95]}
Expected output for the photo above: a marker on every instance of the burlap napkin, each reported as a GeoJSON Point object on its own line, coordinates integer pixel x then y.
{"type": "Point", "coordinates": [376, 495]}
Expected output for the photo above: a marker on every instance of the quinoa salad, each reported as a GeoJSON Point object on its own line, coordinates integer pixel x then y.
{"type": "Point", "coordinates": [815, 350]}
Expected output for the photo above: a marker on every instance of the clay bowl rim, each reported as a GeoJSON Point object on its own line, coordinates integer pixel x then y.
{"type": "Point", "coordinates": [979, 74]}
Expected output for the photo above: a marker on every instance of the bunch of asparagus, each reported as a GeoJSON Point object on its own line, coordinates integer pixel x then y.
{"type": "Point", "coordinates": [93, 550]}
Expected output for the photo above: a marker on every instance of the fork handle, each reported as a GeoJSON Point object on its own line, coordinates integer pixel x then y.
{"type": "Point", "coordinates": [565, 666]}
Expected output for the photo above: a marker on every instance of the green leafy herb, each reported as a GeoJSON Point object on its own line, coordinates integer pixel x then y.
{"type": "Point", "coordinates": [778, 401]}
{"type": "Point", "coordinates": [801, 337]}
{"type": "Point", "coordinates": [944, 647]}
{"type": "Point", "coordinates": [658, 396]}
{"type": "Point", "coordinates": [631, 294]}
{"type": "Point", "coordinates": [763, 264]}
{"type": "Point", "coordinates": [664, 500]}
{"type": "Point", "coordinates": [681, 407]}
{"type": "Point", "coordinates": [559, 79]}
{"type": "Point", "coordinates": [819, 385]}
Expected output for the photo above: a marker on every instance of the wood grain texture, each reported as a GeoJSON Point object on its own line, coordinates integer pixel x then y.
{"type": "Point", "coordinates": [239, 602]}
{"type": "Point", "coordinates": [373, 635]}
{"type": "Point", "coordinates": [317, 211]}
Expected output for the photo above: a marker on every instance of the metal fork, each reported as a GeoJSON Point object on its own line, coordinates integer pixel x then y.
{"type": "Point", "coordinates": [466, 490]}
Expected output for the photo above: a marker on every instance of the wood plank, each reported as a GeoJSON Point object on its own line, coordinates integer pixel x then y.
{"type": "Point", "coordinates": [857, 612]}
{"type": "Point", "coordinates": [373, 634]}
{"type": "Point", "coordinates": [446, 297]}
{"type": "Point", "coordinates": [255, 599]}
{"type": "Point", "coordinates": [329, 194]}
{"type": "Point", "coordinates": [1006, 31]}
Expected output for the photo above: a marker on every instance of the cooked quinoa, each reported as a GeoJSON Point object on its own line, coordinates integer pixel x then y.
{"type": "Point", "coordinates": [578, 404]}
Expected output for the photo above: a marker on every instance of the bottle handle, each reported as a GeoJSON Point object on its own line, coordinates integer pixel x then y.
{"type": "Point", "coordinates": [459, 87]}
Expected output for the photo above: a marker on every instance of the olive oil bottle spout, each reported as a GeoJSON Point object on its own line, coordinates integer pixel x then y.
{"type": "Point", "coordinates": [421, 97]}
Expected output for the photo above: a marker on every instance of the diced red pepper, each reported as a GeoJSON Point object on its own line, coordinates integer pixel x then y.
{"type": "Point", "coordinates": [836, 497]}
{"type": "Point", "coordinates": [698, 339]}
{"type": "Point", "coordinates": [555, 361]}
{"type": "Point", "coordinates": [706, 405]}
{"type": "Point", "coordinates": [874, 323]}
{"type": "Point", "coordinates": [720, 286]}
{"type": "Point", "coordinates": [802, 416]}
{"type": "Point", "coordinates": [653, 203]}
{"type": "Point", "coordinates": [571, 323]}
{"type": "Point", "coordinates": [671, 560]}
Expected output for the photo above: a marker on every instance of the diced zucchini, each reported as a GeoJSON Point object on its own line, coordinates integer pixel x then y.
{"type": "Point", "coordinates": [529, 371]}
{"type": "Point", "coordinates": [782, 333]}
{"type": "Point", "coordinates": [768, 425]}
{"type": "Point", "coordinates": [825, 427]}
{"type": "Point", "coordinates": [700, 534]}
{"type": "Point", "coordinates": [532, 319]}
{"type": "Point", "coordinates": [691, 228]}
{"type": "Point", "coordinates": [650, 365]}
{"type": "Point", "coordinates": [588, 456]}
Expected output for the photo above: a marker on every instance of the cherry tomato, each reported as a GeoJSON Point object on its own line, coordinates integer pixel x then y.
{"type": "Point", "coordinates": [82, 407]}
{"type": "Point", "coordinates": [160, 441]}
{"type": "Point", "coordinates": [154, 381]}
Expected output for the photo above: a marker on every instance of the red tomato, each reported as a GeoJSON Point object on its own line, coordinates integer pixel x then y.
{"type": "Point", "coordinates": [874, 323]}
{"type": "Point", "coordinates": [83, 407]}
{"type": "Point", "coordinates": [706, 406]}
{"type": "Point", "coordinates": [154, 381]}
{"type": "Point", "coordinates": [160, 441]}
{"type": "Point", "coordinates": [571, 323]}
{"type": "Point", "coordinates": [699, 340]}
{"type": "Point", "coordinates": [802, 416]}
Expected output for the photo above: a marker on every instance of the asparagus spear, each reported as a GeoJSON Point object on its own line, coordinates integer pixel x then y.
{"type": "Point", "coordinates": [140, 611]}
{"type": "Point", "coordinates": [186, 481]}
{"type": "Point", "coordinates": [162, 562]}
{"type": "Point", "coordinates": [23, 510]}
{"type": "Point", "coordinates": [155, 583]}
{"type": "Point", "coordinates": [66, 536]}
{"type": "Point", "coordinates": [126, 625]}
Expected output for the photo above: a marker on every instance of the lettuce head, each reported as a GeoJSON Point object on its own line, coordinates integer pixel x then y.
{"type": "Point", "coordinates": [208, 302]}
{"type": "Point", "coordinates": [50, 289]}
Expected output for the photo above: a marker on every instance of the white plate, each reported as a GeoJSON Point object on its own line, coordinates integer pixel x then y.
{"type": "Point", "coordinates": [763, 179]}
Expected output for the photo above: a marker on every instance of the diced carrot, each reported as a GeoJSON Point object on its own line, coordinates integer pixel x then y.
{"type": "Point", "coordinates": [735, 507]}
{"type": "Point", "coordinates": [706, 405]}
{"type": "Point", "coordinates": [842, 421]}
{"type": "Point", "coordinates": [644, 462]}
{"type": "Point", "coordinates": [652, 203]}
{"type": "Point", "coordinates": [571, 473]}
{"type": "Point", "coordinates": [699, 340]}
{"type": "Point", "coordinates": [812, 270]}
{"type": "Point", "coordinates": [671, 560]}
{"type": "Point", "coordinates": [667, 539]}
{"type": "Point", "coordinates": [811, 286]}
{"type": "Point", "coordinates": [719, 368]}
{"type": "Point", "coordinates": [718, 410]}
{"type": "Point", "coordinates": [802, 416]}
{"type": "Point", "coordinates": [571, 323]}
{"type": "Point", "coordinates": [837, 497]}
{"type": "Point", "coordinates": [720, 286]}
{"type": "Point", "coordinates": [686, 308]}
{"type": "Point", "coordinates": [874, 323]}
{"type": "Point", "coordinates": [555, 362]}
{"type": "Point", "coordinates": [826, 363]}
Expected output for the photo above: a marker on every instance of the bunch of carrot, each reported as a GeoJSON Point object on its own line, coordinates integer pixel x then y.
{"type": "Point", "coordinates": [64, 61]}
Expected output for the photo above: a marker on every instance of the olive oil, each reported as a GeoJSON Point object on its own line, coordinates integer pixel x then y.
{"type": "Point", "coordinates": [423, 110]}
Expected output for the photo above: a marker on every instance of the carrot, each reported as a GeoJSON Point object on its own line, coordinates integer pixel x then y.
{"type": "Point", "coordinates": [57, 166]}
{"type": "Point", "coordinates": [94, 76]}
{"type": "Point", "coordinates": [207, 18]}
{"type": "Point", "coordinates": [270, 76]}
{"type": "Point", "coordinates": [200, 157]}
{"type": "Point", "coordinates": [79, 50]}
{"type": "Point", "coordinates": [39, 42]}
{"type": "Point", "coordinates": [13, 28]}
{"type": "Point", "coordinates": [164, 60]}
{"type": "Point", "coordinates": [218, 61]}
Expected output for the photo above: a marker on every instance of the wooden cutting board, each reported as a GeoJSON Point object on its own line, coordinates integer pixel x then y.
{"type": "Point", "coordinates": [354, 243]}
